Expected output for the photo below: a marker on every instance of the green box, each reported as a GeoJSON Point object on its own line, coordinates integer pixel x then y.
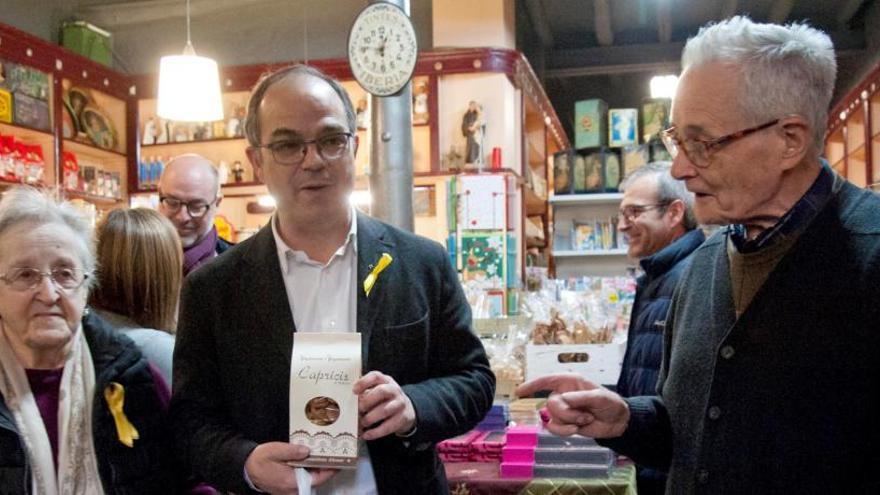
{"type": "Point", "coordinates": [590, 121]}
{"type": "Point", "coordinates": [88, 40]}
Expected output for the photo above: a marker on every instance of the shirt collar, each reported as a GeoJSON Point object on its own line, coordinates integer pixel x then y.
{"type": "Point", "coordinates": [285, 252]}
{"type": "Point", "coordinates": [794, 221]}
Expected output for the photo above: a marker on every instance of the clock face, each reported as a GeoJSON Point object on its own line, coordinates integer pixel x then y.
{"type": "Point", "coordinates": [382, 49]}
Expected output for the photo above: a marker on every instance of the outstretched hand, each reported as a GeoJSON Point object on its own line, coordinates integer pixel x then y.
{"type": "Point", "coordinates": [579, 406]}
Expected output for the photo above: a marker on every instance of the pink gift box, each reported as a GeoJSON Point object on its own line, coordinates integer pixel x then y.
{"type": "Point", "coordinates": [460, 443]}
{"type": "Point", "coordinates": [490, 441]}
{"type": "Point", "coordinates": [518, 455]}
{"type": "Point", "coordinates": [517, 470]}
{"type": "Point", "coordinates": [522, 436]}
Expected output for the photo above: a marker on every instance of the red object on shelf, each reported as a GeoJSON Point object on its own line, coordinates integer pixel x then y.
{"type": "Point", "coordinates": [496, 158]}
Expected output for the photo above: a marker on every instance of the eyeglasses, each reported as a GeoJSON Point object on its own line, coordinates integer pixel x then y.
{"type": "Point", "coordinates": [698, 151]}
{"type": "Point", "coordinates": [631, 212]}
{"type": "Point", "coordinates": [195, 209]}
{"type": "Point", "coordinates": [293, 151]}
{"type": "Point", "coordinates": [22, 279]}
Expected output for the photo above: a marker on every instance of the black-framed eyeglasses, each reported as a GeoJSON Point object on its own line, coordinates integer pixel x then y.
{"type": "Point", "coordinates": [195, 209]}
{"type": "Point", "coordinates": [23, 278]}
{"type": "Point", "coordinates": [293, 151]}
{"type": "Point", "coordinates": [698, 151]}
{"type": "Point", "coordinates": [631, 212]}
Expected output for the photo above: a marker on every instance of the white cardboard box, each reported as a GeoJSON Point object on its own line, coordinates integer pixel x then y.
{"type": "Point", "coordinates": [602, 365]}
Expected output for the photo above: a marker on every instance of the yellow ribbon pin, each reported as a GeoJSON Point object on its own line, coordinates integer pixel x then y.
{"type": "Point", "coordinates": [370, 281]}
{"type": "Point", "coordinates": [114, 394]}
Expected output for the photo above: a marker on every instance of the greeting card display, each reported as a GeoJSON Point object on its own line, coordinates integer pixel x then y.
{"type": "Point", "coordinates": [482, 258]}
{"type": "Point", "coordinates": [323, 409]}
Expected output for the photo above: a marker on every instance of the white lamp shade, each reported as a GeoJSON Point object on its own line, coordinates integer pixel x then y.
{"type": "Point", "coordinates": [189, 89]}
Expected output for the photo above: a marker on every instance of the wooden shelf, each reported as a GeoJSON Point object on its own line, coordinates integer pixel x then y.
{"type": "Point", "coordinates": [104, 200]}
{"type": "Point", "coordinates": [194, 141]}
{"type": "Point", "coordinates": [25, 133]}
{"type": "Point", "coordinates": [83, 149]}
{"type": "Point", "coordinates": [570, 253]}
{"type": "Point", "coordinates": [584, 199]}
{"type": "Point", "coordinates": [5, 184]}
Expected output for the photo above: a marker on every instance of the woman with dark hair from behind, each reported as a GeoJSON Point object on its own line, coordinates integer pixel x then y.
{"type": "Point", "coordinates": [139, 279]}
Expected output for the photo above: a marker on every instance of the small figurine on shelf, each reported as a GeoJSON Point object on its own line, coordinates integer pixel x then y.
{"type": "Point", "coordinates": [150, 133]}
{"type": "Point", "coordinates": [362, 114]}
{"type": "Point", "coordinates": [471, 127]}
{"type": "Point", "coordinates": [237, 171]}
{"type": "Point", "coordinates": [223, 172]}
{"type": "Point", "coordinates": [420, 103]}
{"type": "Point", "coordinates": [181, 132]}
{"type": "Point", "coordinates": [201, 132]}
{"type": "Point", "coordinates": [164, 131]}
{"type": "Point", "coordinates": [235, 124]}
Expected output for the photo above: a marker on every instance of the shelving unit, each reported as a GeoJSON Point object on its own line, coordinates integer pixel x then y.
{"type": "Point", "coordinates": [569, 208]}
{"type": "Point", "coordinates": [101, 115]}
{"type": "Point", "coordinates": [852, 142]}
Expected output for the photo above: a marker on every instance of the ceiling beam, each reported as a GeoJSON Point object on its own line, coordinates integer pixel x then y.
{"type": "Point", "coordinates": [849, 9]}
{"type": "Point", "coordinates": [616, 54]}
{"type": "Point", "coordinates": [780, 11]}
{"type": "Point", "coordinates": [113, 15]}
{"type": "Point", "coordinates": [664, 21]}
{"type": "Point", "coordinates": [597, 70]}
{"type": "Point", "coordinates": [602, 17]}
{"type": "Point", "coordinates": [538, 16]}
{"type": "Point", "coordinates": [728, 8]}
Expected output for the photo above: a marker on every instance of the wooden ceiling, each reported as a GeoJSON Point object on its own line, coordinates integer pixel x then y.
{"type": "Point", "coordinates": [610, 48]}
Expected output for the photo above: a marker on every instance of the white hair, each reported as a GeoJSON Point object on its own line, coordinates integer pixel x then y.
{"type": "Point", "coordinates": [25, 204]}
{"type": "Point", "coordinates": [786, 69]}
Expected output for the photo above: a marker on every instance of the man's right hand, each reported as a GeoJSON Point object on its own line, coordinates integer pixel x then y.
{"type": "Point", "coordinates": [579, 406]}
{"type": "Point", "coordinates": [268, 470]}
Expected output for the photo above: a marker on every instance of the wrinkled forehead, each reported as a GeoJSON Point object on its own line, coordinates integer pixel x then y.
{"type": "Point", "coordinates": [708, 98]}
{"type": "Point", "coordinates": [34, 244]}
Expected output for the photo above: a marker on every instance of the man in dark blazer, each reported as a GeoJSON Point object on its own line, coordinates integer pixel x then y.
{"type": "Point", "coordinates": [426, 377]}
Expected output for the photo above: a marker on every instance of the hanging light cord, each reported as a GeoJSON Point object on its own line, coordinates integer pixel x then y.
{"type": "Point", "coordinates": [188, 49]}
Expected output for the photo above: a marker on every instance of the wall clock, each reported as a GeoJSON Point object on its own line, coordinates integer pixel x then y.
{"type": "Point", "coordinates": [382, 49]}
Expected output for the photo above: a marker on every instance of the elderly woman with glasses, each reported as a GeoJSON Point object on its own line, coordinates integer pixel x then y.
{"type": "Point", "coordinates": [81, 410]}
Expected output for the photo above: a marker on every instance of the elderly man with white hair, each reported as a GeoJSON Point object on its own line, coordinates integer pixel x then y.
{"type": "Point", "coordinates": [770, 380]}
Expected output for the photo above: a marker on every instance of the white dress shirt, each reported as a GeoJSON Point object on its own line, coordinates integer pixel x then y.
{"type": "Point", "coordinates": [323, 298]}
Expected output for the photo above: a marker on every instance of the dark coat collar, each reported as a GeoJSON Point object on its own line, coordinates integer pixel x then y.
{"type": "Point", "coordinates": [660, 262]}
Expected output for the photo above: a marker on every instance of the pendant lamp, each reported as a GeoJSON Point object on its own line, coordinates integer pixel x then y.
{"type": "Point", "coordinates": [189, 85]}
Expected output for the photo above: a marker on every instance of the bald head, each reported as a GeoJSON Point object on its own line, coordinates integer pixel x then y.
{"type": "Point", "coordinates": [193, 171]}
{"type": "Point", "coordinates": [190, 180]}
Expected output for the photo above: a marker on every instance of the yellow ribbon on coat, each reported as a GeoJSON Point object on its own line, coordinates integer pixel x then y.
{"type": "Point", "coordinates": [370, 281]}
{"type": "Point", "coordinates": [114, 394]}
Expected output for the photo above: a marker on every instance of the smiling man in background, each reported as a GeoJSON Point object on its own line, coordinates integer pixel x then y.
{"type": "Point", "coordinates": [657, 217]}
{"type": "Point", "coordinates": [189, 195]}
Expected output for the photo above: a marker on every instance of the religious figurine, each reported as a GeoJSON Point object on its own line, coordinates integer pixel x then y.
{"type": "Point", "coordinates": [471, 128]}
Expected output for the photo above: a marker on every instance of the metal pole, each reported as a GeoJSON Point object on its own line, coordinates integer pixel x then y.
{"type": "Point", "coordinates": [391, 154]}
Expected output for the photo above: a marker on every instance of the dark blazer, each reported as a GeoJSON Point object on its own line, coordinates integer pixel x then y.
{"type": "Point", "coordinates": [234, 344]}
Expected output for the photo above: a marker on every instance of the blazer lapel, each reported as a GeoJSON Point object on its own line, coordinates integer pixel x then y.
{"type": "Point", "coordinates": [265, 297]}
{"type": "Point", "coordinates": [371, 243]}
